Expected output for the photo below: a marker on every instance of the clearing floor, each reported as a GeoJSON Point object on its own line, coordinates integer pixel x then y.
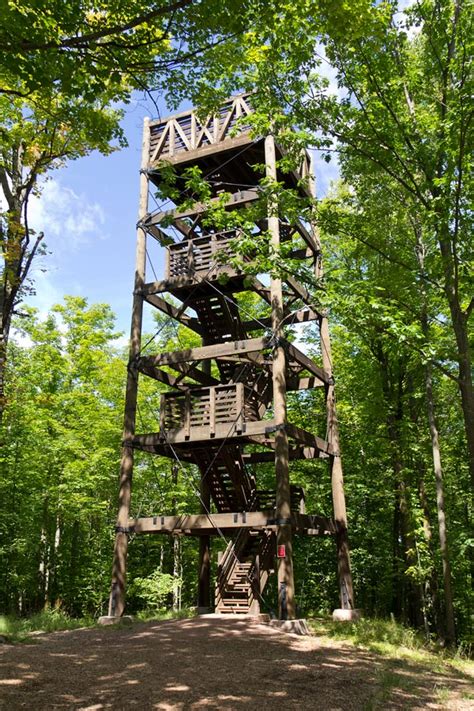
{"type": "Point", "coordinates": [209, 663]}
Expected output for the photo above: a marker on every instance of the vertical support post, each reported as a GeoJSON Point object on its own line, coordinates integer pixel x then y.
{"type": "Point", "coordinates": [187, 413]}
{"type": "Point", "coordinates": [318, 267]}
{"type": "Point", "coordinates": [286, 587]}
{"type": "Point", "coordinates": [212, 411]}
{"type": "Point", "coordinates": [256, 589]}
{"type": "Point", "coordinates": [168, 259]}
{"type": "Point", "coordinates": [171, 139]}
{"type": "Point", "coordinates": [239, 407]}
{"type": "Point", "coordinates": [337, 479]}
{"type": "Point", "coordinates": [119, 569]}
{"type": "Point", "coordinates": [190, 258]}
{"type": "Point", "coordinates": [163, 412]}
{"type": "Point", "coordinates": [193, 131]}
{"type": "Point", "coordinates": [177, 565]}
{"type": "Point", "coordinates": [204, 562]}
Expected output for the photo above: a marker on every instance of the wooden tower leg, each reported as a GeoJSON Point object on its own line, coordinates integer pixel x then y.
{"type": "Point", "coordinates": [119, 568]}
{"type": "Point", "coordinates": [337, 480]}
{"type": "Point", "coordinates": [286, 586]}
{"type": "Point", "coordinates": [204, 586]}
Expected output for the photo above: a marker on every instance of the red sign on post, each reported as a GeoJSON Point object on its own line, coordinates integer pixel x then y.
{"type": "Point", "coordinates": [281, 551]}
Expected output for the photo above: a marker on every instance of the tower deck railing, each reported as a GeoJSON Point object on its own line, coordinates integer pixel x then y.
{"type": "Point", "coordinates": [187, 132]}
{"type": "Point", "coordinates": [201, 254]}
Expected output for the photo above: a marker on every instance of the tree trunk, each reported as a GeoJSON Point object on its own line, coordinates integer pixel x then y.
{"type": "Point", "coordinates": [176, 573]}
{"type": "Point", "coordinates": [465, 382]}
{"type": "Point", "coordinates": [431, 589]}
{"type": "Point", "coordinates": [13, 248]}
{"type": "Point", "coordinates": [73, 608]}
{"type": "Point", "coordinates": [43, 569]}
{"type": "Point", "coordinates": [407, 603]}
{"type": "Point", "coordinates": [459, 320]}
{"type": "Point", "coordinates": [52, 589]}
{"type": "Point", "coordinates": [463, 346]}
{"type": "Point", "coordinates": [6, 310]}
{"type": "Point", "coordinates": [450, 631]}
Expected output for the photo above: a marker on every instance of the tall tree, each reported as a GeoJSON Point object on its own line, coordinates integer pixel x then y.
{"type": "Point", "coordinates": [402, 110]}
{"type": "Point", "coordinates": [406, 114]}
{"type": "Point", "coordinates": [35, 140]}
{"type": "Point", "coordinates": [62, 431]}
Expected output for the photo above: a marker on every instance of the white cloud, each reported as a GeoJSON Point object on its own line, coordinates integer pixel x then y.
{"type": "Point", "coordinates": [67, 219]}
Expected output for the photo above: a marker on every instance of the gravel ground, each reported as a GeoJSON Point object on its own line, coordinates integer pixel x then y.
{"type": "Point", "coordinates": [208, 663]}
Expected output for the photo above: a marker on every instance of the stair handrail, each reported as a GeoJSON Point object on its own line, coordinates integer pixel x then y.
{"type": "Point", "coordinates": [230, 556]}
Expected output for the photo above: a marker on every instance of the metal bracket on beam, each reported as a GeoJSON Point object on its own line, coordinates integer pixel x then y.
{"type": "Point", "coordinates": [275, 428]}
{"type": "Point", "coordinates": [124, 529]}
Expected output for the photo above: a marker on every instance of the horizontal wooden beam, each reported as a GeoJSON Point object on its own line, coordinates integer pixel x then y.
{"type": "Point", "coordinates": [163, 285]}
{"type": "Point", "coordinates": [293, 384]}
{"type": "Point", "coordinates": [193, 280]}
{"type": "Point", "coordinates": [174, 312]}
{"type": "Point", "coordinates": [307, 363]}
{"type": "Point", "coordinates": [205, 524]}
{"type": "Point", "coordinates": [163, 377]}
{"type": "Point", "coordinates": [300, 291]}
{"type": "Point", "coordinates": [226, 430]}
{"type": "Point", "coordinates": [191, 156]}
{"type": "Point", "coordinates": [218, 350]}
{"type": "Point", "coordinates": [312, 524]}
{"type": "Point", "coordinates": [303, 445]}
{"type": "Point", "coordinates": [236, 200]}
{"type": "Point", "coordinates": [236, 348]}
{"type": "Point", "coordinates": [308, 439]}
{"type": "Point", "coordinates": [295, 453]}
{"type": "Point", "coordinates": [191, 371]}
{"type": "Point", "coordinates": [299, 316]}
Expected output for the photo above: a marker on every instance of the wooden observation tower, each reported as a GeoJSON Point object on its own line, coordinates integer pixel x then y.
{"type": "Point", "coordinates": [224, 409]}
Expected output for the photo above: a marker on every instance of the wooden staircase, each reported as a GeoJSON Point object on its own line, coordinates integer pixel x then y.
{"type": "Point", "coordinates": [205, 422]}
{"type": "Point", "coordinates": [243, 572]}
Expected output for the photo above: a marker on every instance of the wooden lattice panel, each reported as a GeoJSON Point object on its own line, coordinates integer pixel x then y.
{"type": "Point", "coordinates": [200, 255]}
{"type": "Point", "coordinates": [185, 132]}
{"type": "Point", "coordinates": [202, 408]}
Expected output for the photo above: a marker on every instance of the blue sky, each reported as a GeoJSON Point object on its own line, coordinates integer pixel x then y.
{"type": "Point", "coordinates": [88, 212]}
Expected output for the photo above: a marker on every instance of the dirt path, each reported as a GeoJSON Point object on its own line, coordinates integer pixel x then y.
{"type": "Point", "coordinates": [213, 664]}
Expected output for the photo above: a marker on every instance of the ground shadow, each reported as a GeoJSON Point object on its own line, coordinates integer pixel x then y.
{"type": "Point", "coordinates": [208, 663]}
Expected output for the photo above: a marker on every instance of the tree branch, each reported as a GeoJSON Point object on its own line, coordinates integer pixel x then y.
{"type": "Point", "coordinates": [84, 40]}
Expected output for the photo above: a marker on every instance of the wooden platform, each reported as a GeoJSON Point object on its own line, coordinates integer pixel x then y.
{"type": "Point", "coordinates": [221, 145]}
